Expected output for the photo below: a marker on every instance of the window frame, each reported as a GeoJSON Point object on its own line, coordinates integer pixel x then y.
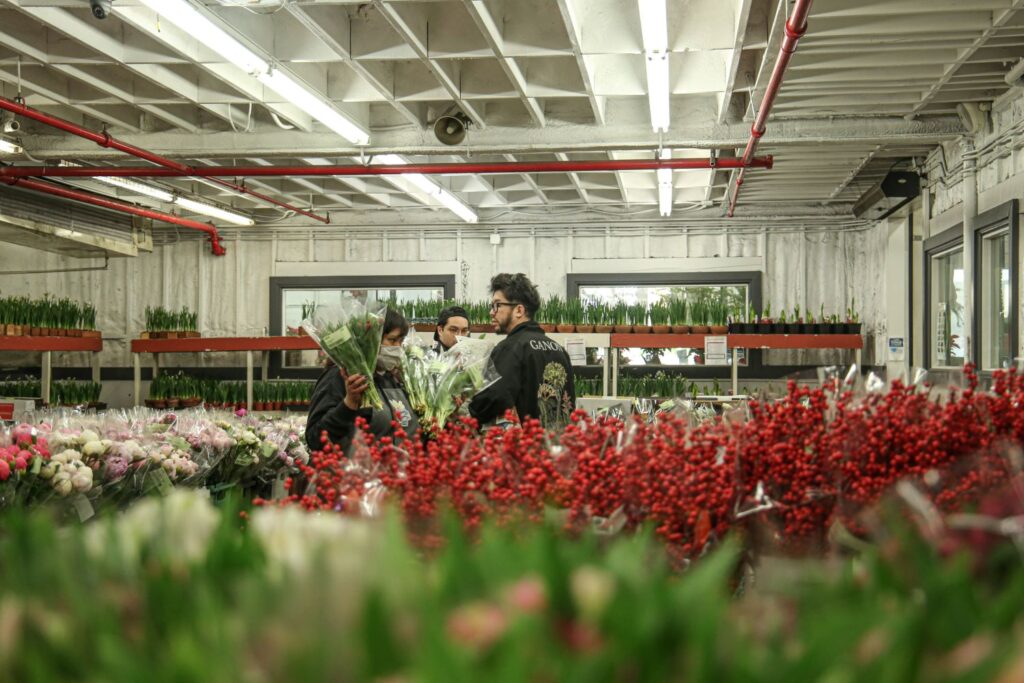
{"type": "Point", "coordinates": [751, 279]}
{"type": "Point", "coordinates": [279, 284]}
{"type": "Point", "coordinates": [1003, 217]}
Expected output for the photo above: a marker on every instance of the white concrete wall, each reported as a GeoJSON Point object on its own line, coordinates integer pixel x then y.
{"type": "Point", "coordinates": [231, 293]}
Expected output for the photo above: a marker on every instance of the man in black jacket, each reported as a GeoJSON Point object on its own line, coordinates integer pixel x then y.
{"type": "Point", "coordinates": [536, 374]}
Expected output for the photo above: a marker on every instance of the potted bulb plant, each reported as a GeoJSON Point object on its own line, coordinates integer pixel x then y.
{"type": "Point", "coordinates": [660, 318]}
{"type": "Point", "coordinates": [678, 315]}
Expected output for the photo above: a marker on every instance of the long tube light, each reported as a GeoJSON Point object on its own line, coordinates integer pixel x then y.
{"type": "Point", "coordinates": [665, 189]}
{"type": "Point", "coordinates": [654, 28]}
{"type": "Point", "coordinates": [8, 147]}
{"type": "Point", "coordinates": [430, 188]}
{"type": "Point", "coordinates": [213, 211]}
{"type": "Point", "coordinates": [135, 186]}
{"type": "Point", "coordinates": [186, 17]}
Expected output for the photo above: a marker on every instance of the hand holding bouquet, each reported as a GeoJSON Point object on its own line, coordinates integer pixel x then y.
{"type": "Point", "coordinates": [350, 335]}
{"type": "Point", "coordinates": [437, 384]}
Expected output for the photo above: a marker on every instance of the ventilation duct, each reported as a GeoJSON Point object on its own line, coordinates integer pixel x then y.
{"type": "Point", "coordinates": [68, 228]}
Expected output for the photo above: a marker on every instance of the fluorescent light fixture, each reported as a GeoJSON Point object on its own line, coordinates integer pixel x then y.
{"type": "Point", "coordinates": [8, 147]}
{"type": "Point", "coordinates": [135, 186]}
{"type": "Point", "coordinates": [665, 189]}
{"type": "Point", "coordinates": [430, 188]}
{"type": "Point", "coordinates": [313, 105]}
{"type": "Point", "coordinates": [187, 18]}
{"type": "Point", "coordinates": [183, 15]}
{"type": "Point", "coordinates": [138, 188]}
{"type": "Point", "coordinates": [213, 211]}
{"type": "Point", "coordinates": [654, 27]}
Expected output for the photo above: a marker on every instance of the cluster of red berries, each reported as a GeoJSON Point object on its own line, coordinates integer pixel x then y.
{"type": "Point", "coordinates": [796, 464]}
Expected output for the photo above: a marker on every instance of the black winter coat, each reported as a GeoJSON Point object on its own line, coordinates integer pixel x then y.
{"type": "Point", "coordinates": [536, 380]}
{"type": "Point", "coordinates": [328, 412]}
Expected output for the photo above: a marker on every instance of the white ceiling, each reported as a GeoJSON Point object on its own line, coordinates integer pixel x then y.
{"type": "Point", "coordinates": [873, 82]}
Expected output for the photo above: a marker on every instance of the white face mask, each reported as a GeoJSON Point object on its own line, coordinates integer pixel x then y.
{"type": "Point", "coordinates": [389, 358]}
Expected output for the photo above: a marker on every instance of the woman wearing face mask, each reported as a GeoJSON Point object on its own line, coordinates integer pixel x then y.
{"type": "Point", "coordinates": [334, 406]}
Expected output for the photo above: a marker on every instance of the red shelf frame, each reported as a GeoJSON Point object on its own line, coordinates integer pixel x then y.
{"type": "Point", "coordinates": [739, 341]}
{"type": "Point", "coordinates": [44, 344]}
{"type": "Point", "coordinates": [205, 344]}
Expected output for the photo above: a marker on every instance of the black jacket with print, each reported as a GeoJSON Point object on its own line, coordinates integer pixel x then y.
{"type": "Point", "coordinates": [536, 379]}
{"type": "Point", "coordinates": [328, 412]}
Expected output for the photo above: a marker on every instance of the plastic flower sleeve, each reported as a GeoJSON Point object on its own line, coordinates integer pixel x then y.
{"type": "Point", "coordinates": [350, 334]}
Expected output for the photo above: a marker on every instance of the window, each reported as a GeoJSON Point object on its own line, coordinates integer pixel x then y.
{"type": "Point", "coordinates": [740, 291]}
{"type": "Point", "coordinates": [290, 295]}
{"type": "Point", "coordinates": [995, 314]}
{"type": "Point", "coordinates": [947, 306]}
{"type": "Point", "coordinates": [995, 323]}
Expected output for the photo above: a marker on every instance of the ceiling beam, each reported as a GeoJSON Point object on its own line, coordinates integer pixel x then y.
{"type": "Point", "coordinates": [637, 135]}
{"type": "Point", "coordinates": [488, 26]}
{"type": "Point", "coordinates": [567, 8]}
{"type": "Point", "coordinates": [997, 21]}
{"type": "Point", "coordinates": [407, 34]}
{"type": "Point", "coordinates": [733, 63]}
{"type": "Point", "coordinates": [87, 34]}
{"type": "Point", "coordinates": [332, 27]}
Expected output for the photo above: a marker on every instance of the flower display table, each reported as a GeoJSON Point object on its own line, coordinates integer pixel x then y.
{"type": "Point", "coordinates": [46, 346]}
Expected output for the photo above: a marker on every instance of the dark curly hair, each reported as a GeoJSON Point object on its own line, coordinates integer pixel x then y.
{"type": "Point", "coordinates": [517, 288]}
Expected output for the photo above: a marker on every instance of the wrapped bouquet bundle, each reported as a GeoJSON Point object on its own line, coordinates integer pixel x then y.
{"type": "Point", "coordinates": [438, 383]}
{"type": "Point", "coordinates": [350, 333]}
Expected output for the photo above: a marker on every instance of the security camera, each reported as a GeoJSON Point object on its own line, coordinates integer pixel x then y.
{"type": "Point", "coordinates": [8, 123]}
{"type": "Point", "coordinates": [100, 8]}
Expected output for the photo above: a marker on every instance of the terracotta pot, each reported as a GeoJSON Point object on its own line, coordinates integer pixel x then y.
{"type": "Point", "coordinates": [170, 335]}
{"type": "Point", "coordinates": [259, 406]}
{"type": "Point", "coordinates": [480, 328]}
{"type": "Point", "coordinates": [173, 402]}
{"type": "Point", "coordinates": [641, 329]}
{"type": "Point", "coordinates": [159, 404]}
{"type": "Point", "coordinates": [91, 334]}
{"type": "Point", "coordinates": [585, 329]}
{"type": "Point", "coordinates": [424, 327]}
{"type": "Point", "coordinates": [604, 329]}
{"type": "Point", "coordinates": [565, 329]}
{"type": "Point", "coordinates": [661, 329]}
{"type": "Point", "coordinates": [623, 329]}
{"type": "Point", "coordinates": [680, 329]}
{"type": "Point", "coordinates": [719, 329]}
{"type": "Point", "coordinates": [547, 327]}
{"type": "Point", "coordinates": [700, 329]}
{"type": "Point", "coordinates": [15, 331]}
{"type": "Point", "coordinates": [35, 332]}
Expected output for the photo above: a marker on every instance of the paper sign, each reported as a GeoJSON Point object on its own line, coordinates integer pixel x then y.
{"type": "Point", "coordinates": [83, 507]}
{"type": "Point", "coordinates": [716, 350]}
{"type": "Point", "coordinates": [940, 331]}
{"type": "Point", "coordinates": [577, 350]}
{"type": "Point", "coordinates": [896, 349]}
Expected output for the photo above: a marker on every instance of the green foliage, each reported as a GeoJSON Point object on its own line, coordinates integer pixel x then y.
{"type": "Point", "coordinates": [73, 392]}
{"type": "Point", "coordinates": [160, 319]}
{"type": "Point", "coordinates": [27, 387]}
{"type": "Point", "coordinates": [47, 312]}
{"type": "Point", "coordinates": [187, 593]}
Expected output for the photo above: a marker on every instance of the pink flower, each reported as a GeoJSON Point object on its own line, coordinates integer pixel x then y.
{"type": "Point", "coordinates": [20, 462]}
{"type": "Point", "coordinates": [477, 625]}
{"type": "Point", "coordinates": [241, 412]}
{"type": "Point", "coordinates": [5, 470]}
{"type": "Point", "coordinates": [22, 434]}
{"type": "Point", "coordinates": [528, 596]}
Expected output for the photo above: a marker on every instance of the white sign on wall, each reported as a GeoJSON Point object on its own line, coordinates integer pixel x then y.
{"type": "Point", "coordinates": [896, 349]}
{"type": "Point", "coordinates": [940, 330]}
{"type": "Point", "coordinates": [716, 350]}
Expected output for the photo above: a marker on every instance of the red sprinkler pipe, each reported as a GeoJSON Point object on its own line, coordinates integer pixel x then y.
{"type": "Point", "coordinates": [105, 140]}
{"type": "Point", "coordinates": [796, 27]}
{"type": "Point", "coordinates": [107, 203]}
{"type": "Point", "coordinates": [393, 169]}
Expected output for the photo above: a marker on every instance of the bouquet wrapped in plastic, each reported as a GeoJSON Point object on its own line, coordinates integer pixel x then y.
{"type": "Point", "coordinates": [438, 383]}
{"type": "Point", "coordinates": [350, 334]}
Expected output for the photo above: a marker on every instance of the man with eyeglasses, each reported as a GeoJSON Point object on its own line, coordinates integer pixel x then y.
{"type": "Point", "coordinates": [452, 324]}
{"type": "Point", "coordinates": [536, 374]}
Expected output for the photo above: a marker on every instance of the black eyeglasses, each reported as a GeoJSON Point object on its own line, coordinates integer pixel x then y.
{"type": "Point", "coordinates": [496, 304]}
